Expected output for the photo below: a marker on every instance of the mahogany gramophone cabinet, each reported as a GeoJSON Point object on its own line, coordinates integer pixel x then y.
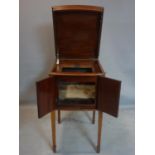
{"type": "Point", "coordinates": [77, 81]}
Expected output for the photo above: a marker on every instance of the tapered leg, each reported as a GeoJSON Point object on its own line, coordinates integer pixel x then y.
{"type": "Point", "coordinates": [93, 120]}
{"type": "Point", "coordinates": [53, 130]}
{"type": "Point", "coordinates": [99, 130]}
{"type": "Point", "coordinates": [59, 116]}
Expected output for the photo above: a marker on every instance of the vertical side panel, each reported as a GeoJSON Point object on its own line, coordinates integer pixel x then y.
{"type": "Point", "coordinates": [108, 95]}
{"type": "Point", "coordinates": [46, 99]}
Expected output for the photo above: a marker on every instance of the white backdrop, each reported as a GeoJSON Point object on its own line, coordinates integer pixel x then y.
{"type": "Point", "coordinates": [37, 44]}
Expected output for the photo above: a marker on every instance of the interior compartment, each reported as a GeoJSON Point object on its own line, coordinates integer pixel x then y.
{"type": "Point", "coordinates": [76, 93]}
{"type": "Point", "coordinates": [77, 69]}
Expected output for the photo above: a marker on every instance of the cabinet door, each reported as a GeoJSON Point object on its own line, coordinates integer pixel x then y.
{"type": "Point", "coordinates": [46, 98]}
{"type": "Point", "coordinates": [108, 95]}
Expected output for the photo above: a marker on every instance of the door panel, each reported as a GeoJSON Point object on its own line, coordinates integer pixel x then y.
{"type": "Point", "coordinates": [46, 98]}
{"type": "Point", "coordinates": [108, 95]}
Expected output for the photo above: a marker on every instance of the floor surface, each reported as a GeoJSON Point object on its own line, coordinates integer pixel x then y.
{"type": "Point", "coordinates": [76, 135]}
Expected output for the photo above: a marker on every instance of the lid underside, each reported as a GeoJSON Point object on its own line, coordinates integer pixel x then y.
{"type": "Point", "coordinates": [77, 33]}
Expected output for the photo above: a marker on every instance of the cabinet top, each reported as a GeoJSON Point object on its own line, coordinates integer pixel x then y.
{"type": "Point", "coordinates": [77, 31]}
{"type": "Point", "coordinates": [78, 7]}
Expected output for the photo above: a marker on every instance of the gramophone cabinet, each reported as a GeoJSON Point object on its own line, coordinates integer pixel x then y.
{"type": "Point", "coordinates": [77, 80]}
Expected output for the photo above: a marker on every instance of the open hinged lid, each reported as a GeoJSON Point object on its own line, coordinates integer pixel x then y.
{"type": "Point", "coordinates": [77, 31]}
